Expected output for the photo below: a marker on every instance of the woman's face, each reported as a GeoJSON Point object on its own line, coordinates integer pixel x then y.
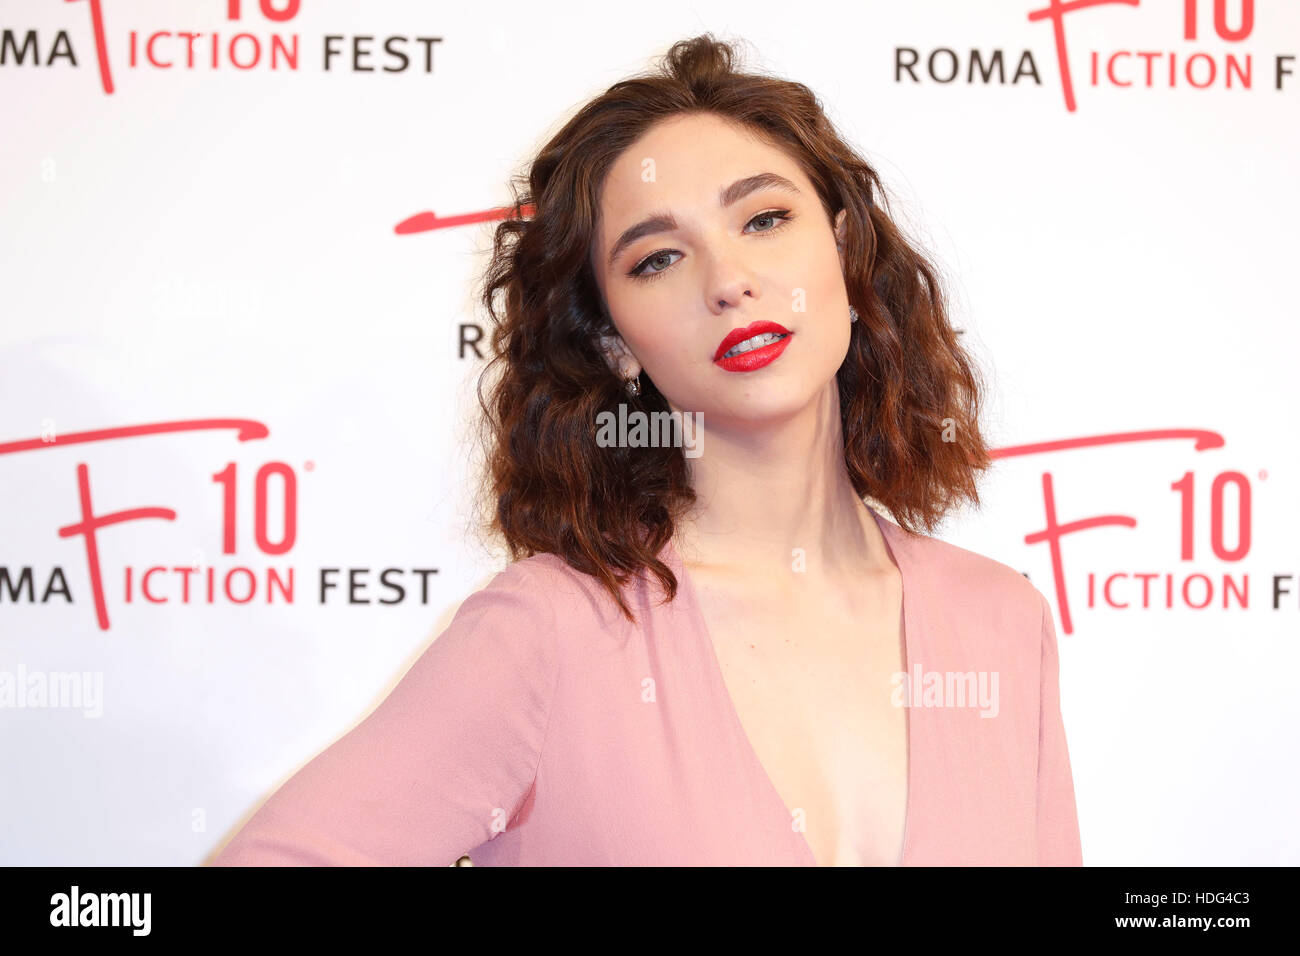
{"type": "Point", "coordinates": [680, 287]}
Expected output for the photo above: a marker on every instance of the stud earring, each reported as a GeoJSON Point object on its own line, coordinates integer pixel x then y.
{"type": "Point", "coordinates": [853, 314]}
{"type": "Point", "coordinates": [634, 384]}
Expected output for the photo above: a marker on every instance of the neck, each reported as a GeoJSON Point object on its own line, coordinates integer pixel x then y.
{"type": "Point", "coordinates": [766, 501]}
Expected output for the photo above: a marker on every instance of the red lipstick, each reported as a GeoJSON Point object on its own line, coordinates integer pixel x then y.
{"type": "Point", "coordinates": [754, 358]}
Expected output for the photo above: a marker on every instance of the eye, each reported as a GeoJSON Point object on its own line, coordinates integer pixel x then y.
{"type": "Point", "coordinates": [779, 216]}
{"type": "Point", "coordinates": [654, 257]}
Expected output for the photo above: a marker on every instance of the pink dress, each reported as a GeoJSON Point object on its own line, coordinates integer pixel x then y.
{"type": "Point", "coordinates": [543, 728]}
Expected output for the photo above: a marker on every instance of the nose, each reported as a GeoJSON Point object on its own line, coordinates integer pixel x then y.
{"type": "Point", "coordinates": [733, 299]}
{"type": "Point", "coordinates": [729, 283]}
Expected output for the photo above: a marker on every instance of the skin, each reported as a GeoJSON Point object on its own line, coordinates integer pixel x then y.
{"type": "Point", "coordinates": [806, 652]}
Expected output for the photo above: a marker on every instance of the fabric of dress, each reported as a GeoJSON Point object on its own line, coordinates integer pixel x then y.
{"type": "Point", "coordinates": [543, 728]}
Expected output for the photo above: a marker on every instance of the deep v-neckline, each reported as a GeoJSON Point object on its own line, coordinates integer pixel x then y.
{"type": "Point", "coordinates": [719, 682]}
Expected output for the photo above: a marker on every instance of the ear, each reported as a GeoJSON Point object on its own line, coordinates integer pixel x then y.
{"type": "Point", "coordinates": [839, 233]}
{"type": "Point", "coordinates": [619, 357]}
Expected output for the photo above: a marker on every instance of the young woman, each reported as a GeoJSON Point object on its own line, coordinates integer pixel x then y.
{"type": "Point", "coordinates": [698, 654]}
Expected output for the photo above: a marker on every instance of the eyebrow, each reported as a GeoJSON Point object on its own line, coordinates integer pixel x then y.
{"type": "Point", "coordinates": [664, 221]}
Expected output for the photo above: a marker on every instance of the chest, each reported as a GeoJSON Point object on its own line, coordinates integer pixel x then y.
{"type": "Point", "coordinates": [811, 682]}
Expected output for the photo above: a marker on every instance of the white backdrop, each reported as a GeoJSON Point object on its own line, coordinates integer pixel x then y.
{"type": "Point", "coordinates": [220, 246]}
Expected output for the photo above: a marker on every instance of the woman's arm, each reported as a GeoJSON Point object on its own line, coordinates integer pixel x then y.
{"type": "Point", "coordinates": [1058, 821]}
{"type": "Point", "coordinates": [442, 764]}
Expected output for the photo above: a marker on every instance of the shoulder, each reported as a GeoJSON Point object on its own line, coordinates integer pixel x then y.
{"type": "Point", "coordinates": [975, 584]}
{"type": "Point", "coordinates": [554, 591]}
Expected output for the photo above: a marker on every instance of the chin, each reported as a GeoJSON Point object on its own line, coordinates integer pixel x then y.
{"type": "Point", "coordinates": [757, 401]}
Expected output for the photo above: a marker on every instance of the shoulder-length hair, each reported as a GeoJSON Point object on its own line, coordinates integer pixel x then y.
{"type": "Point", "coordinates": [909, 394]}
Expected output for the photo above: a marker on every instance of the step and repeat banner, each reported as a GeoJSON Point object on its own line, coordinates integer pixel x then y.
{"type": "Point", "coordinates": [239, 343]}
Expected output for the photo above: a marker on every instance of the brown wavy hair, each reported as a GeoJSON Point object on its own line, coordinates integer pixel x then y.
{"type": "Point", "coordinates": [910, 396]}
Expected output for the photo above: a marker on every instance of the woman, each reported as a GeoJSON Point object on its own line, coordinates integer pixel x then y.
{"type": "Point", "coordinates": [698, 653]}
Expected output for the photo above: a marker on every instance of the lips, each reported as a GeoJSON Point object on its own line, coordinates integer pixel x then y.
{"type": "Point", "coordinates": [755, 357]}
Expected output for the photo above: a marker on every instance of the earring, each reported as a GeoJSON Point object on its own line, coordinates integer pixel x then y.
{"type": "Point", "coordinates": [853, 314]}
{"type": "Point", "coordinates": [634, 384]}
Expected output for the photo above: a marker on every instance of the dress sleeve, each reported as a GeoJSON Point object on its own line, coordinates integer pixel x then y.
{"type": "Point", "coordinates": [1058, 821]}
{"type": "Point", "coordinates": [442, 764]}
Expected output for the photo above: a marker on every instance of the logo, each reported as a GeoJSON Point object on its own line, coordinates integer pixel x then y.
{"type": "Point", "coordinates": [1211, 46]}
{"type": "Point", "coordinates": [246, 40]}
{"type": "Point", "coordinates": [1221, 580]}
{"type": "Point", "coordinates": [185, 578]}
